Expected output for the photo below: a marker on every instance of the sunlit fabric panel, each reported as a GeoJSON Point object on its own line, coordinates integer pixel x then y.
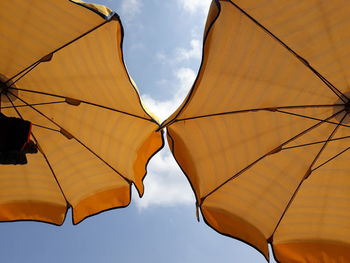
{"type": "Point", "coordinates": [30, 30]}
{"type": "Point", "coordinates": [82, 175]}
{"type": "Point", "coordinates": [253, 169]}
{"type": "Point", "coordinates": [316, 30]}
{"type": "Point", "coordinates": [248, 208]}
{"type": "Point", "coordinates": [63, 70]}
{"type": "Point", "coordinates": [221, 146]}
{"type": "Point", "coordinates": [253, 70]}
{"type": "Point", "coordinates": [91, 69]}
{"type": "Point", "coordinates": [265, 130]}
{"type": "Point", "coordinates": [316, 227]}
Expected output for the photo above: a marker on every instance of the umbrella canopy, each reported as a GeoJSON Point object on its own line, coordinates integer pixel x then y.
{"type": "Point", "coordinates": [62, 69]}
{"type": "Point", "coordinates": [263, 135]}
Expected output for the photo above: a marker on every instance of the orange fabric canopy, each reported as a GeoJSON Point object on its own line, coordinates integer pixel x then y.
{"type": "Point", "coordinates": [62, 68]}
{"type": "Point", "coordinates": [264, 134]}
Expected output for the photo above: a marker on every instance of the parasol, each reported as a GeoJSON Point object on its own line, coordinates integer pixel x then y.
{"type": "Point", "coordinates": [62, 69]}
{"type": "Point", "coordinates": [263, 136]}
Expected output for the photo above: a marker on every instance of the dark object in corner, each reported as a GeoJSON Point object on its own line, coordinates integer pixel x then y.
{"type": "Point", "coordinates": [14, 140]}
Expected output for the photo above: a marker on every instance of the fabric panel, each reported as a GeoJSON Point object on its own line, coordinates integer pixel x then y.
{"type": "Point", "coordinates": [27, 33]}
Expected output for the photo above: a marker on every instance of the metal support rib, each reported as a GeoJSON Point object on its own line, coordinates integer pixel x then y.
{"type": "Point", "coordinates": [34, 104]}
{"type": "Point", "coordinates": [24, 73]}
{"type": "Point", "coordinates": [277, 109]}
{"type": "Point", "coordinates": [88, 103]}
{"type": "Point", "coordinates": [312, 118]}
{"type": "Point", "coordinates": [313, 143]}
{"type": "Point", "coordinates": [273, 109]}
{"type": "Point", "coordinates": [330, 159]}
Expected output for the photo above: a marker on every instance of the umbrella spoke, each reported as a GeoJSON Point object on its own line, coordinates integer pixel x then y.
{"type": "Point", "coordinates": [313, 118]}
{"type": "Point", "coordinates": [275, 150]}
{"type": "Point", "coordinates": [313, 143]}
{"type": "Point", "coordinates": [330, 159]}
{"type": "Point", "coordinates": [52, 171]}
{"type": "Point", "coordinates": [34, 104]}
{"type": "Point", "coordinates": [42, 152]}
{"type": "Point", "coordinates": [68, 135]}
{"type": "Point", "coordinates": [326, 142]}
{"type": "Point", "coordinates": [87, 102]}
{"type": "Point", "coordinates": [336, 91]}
{"type": "Point", "coordinates": [273, 109]}
{"type": "Point", "coordinates": [44, 127]}
{"type": "Point", "coordinates": [23, 74]}
{"type": "Point", "coordinates": [307, 174]}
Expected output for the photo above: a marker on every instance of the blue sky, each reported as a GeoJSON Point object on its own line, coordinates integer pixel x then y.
{"type": "Point", "coordinates": [162, 49]}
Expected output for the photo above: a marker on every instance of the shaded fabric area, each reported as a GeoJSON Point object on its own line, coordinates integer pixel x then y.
{"type": "Point", "coordinates": [263, 135]}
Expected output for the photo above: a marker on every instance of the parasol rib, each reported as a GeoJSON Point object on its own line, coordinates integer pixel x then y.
{"type": "Point", "coordinates": [24, 73]}
{"type": "Point", "coordinates": [306, 176]}
{"type": "Point", "coordinates": [44, 155]}
{"type": "Point", "coordinates": [80, 142]}
{"type": "Point", "coordinates": [330, 159]}
{"type": "Point", "coordinates": [89, 103]}
{"type": "Point", "coordinates": [336, 91]}
{"type": "Point", "coordinates": [44, 127]}
{"type": "Point", "coordinates": [52, 171]}
{"type": "Point", "coordinates": [34, 104]}
{"type": "Point", "coordinates": [312, 118]}
{"type": "Point", "coordinates": [276, 109]}
{"type": "Point", "coordinates": [275, 150]}
{"type": "Point", "coordinates": [313, 143]}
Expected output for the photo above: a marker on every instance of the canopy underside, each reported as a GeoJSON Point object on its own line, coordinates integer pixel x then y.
{"type": "Point", "coordinates": [264, 134]}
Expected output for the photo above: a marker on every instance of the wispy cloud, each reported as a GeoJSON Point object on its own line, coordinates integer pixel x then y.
{"type": "Point", "coordinates": [163, 108]}
{"type": "Point", "coordinates": [193, 53]}
{"type": "Point", "coordinates": [130, 8]}
{"type": "Point", "coordinates": [181, 54]}
{"type": "Point", "coordinates": [195, 6]}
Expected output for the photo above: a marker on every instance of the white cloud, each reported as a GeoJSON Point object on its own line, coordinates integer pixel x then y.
{"type": "Point", "coordinates": [195, 6]}
{"type": "Point", "coordinates": [180, 54]}
{"type": "Point", "coordinates": [164, 108]}
{"type": "Point", "coordinates": [193, 53]}
{"type": "Point", "coordinates": [165, 185]}
{"type": "Point", "coordinates": [130, 8]}
{"type": "Point", "coordinates": [161, 57]}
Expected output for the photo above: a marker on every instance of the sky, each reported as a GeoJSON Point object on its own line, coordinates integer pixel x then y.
{"type": "Point", "coordinates": [162, 49]}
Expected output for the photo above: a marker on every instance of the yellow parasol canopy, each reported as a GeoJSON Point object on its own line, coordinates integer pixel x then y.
{"type": "Point", "coordinates": [62, 69]}
{"type": "Point", "coordinates": [263, 135]}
